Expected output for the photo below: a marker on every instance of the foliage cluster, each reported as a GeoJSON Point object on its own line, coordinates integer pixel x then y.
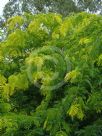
{"type": "Point", "coordinates": [29, 105]}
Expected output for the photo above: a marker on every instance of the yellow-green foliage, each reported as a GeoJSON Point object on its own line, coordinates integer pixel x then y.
{"type": "Point", "coordinates": [50, 76]}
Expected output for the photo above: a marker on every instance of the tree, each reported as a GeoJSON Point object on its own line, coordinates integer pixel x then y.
{"type": "Point", "coordinates": [16, 7]}
{"type": "Point", "coordinates": [64, 7]}
{"type": "Point", "coordinates": [92, 6]}
{"type": "Point", "coordinates": [50, 76]}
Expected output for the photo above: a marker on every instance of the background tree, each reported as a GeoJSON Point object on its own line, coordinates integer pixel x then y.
{"type": "Point", "coordinates": [64, 7]}
{"type": "Point", "coordinates": [92, 6]}
{"type": "Point", "coordinates": [16, 7]}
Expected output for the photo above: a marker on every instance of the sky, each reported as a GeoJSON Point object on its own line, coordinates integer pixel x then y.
{"type": "Point", "coordinates": [2, 4]}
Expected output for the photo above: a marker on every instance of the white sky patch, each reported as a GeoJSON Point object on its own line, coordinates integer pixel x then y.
{"type": "Point", "coordinates": [2, 4]}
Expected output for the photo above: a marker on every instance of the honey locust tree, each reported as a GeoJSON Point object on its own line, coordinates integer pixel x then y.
{"type": "Point", "coordinates": [50, 76]}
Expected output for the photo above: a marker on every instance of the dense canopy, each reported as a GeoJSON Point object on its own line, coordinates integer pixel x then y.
{"type": "Point", "coordinates": [50, 76]}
